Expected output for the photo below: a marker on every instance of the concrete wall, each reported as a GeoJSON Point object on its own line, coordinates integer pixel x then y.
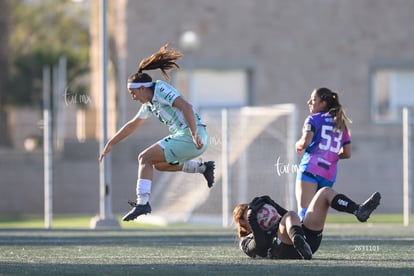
{"type": "Point", "coordinates": [294, 46]}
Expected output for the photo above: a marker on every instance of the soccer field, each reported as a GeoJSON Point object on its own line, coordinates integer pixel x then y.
{"type": "Point", "coordinates": [347, 249]}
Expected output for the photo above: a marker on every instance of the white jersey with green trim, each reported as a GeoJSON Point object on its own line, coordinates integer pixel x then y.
{"type": "Point", "coordinates": [161, 106]}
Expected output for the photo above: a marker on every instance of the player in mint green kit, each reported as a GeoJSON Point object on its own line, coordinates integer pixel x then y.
{"type": "Point", "coordinates": [188, 137]}
{"type": "Point", "coordinates": [325, 139]}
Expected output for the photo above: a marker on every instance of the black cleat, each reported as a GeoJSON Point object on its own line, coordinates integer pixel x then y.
{"type": "Point", "coordinates": [366, 208]}
{"type": "Point", "coordinates": [137, 211]}
{"type": "Point", "coordinates": [302, 247]}
{"type": "Point", "coordinates": [209, 172]}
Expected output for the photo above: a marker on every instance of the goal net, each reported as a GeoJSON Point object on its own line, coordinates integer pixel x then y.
{"type": "Point", "coordinates": [253, 148]}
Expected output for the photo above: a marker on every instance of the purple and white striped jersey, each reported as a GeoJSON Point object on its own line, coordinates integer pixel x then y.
{"type": "Point", "coordinates": [322, 155]}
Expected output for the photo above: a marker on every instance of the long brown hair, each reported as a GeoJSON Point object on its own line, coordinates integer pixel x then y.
{"type": "Point", "coordinates": [238, 214]}
{"type": "Point", "coordinates": [333, 107]}
{"type": "Point", "coordinates": [164, 59]}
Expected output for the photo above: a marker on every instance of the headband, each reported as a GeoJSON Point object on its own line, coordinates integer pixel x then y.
{"type": "Point", "coordinates": [138, 84]}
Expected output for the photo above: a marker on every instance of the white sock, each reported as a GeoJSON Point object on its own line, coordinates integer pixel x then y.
{"type": "Point", "coordinates": [143, 199]}
{"type": "Point", "coordinates": [193, 166]}
{"type": "Point", "coordinates": [143, 191]}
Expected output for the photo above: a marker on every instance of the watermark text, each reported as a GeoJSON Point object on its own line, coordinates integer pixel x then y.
{"type": "Point", "coordinates": [285, 168]}
{"type": "Point", "coordinates": [76, 98]}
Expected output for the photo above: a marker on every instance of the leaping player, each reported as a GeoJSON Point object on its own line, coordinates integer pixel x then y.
{"type": "Point", "coordinates": [188, 137]}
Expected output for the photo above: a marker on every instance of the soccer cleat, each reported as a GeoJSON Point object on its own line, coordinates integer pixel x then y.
{"type": "Point", "coordinates": [139, 209]}
{"type": "Point", "coordinates": [209, 172]}
{"type": "Point", "coordinates": [366, 208]}
{"type": "Point", "coordinates": [302, 247]}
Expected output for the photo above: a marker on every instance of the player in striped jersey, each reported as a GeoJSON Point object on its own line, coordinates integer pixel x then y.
{"type": "Point", "coordinates": [188, 137]}
{"type": "Point", "coordinates": [325, 139]}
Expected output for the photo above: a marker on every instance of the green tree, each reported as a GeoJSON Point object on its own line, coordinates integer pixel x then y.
{"type": "Point", "coordinates": [41, 32]}
{"type": "Point", "coordinates": [35, 33]}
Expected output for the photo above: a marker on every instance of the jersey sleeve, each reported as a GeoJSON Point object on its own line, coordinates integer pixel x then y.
{"type": "Point", "coordinates": [309, 124]}
{"type": "Point", "coordinates": [144, 112]}
{"type": "Point", "coordinates": [166, 94]}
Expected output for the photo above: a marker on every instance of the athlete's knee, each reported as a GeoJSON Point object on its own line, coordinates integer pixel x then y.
{"type": "Point", "coordinates": [293, 217]}
{"type": "Point", "coordinates": [144, 157]}
{"type": "Point", "coordinates": [326, 194]}
{"type": "Point", "coordinates": [140, 157]}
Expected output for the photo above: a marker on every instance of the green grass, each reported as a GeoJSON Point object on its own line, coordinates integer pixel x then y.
{"type": "Point", "coordinates": [379, 247]}
{"type": "Point", "coordinates": [83, 221]}
{"type": "Point", "coordinates": [58, 222]}
{"type": "Point", "coordinates": [347, 249]}
{"type": "Point", "coordinates": [375, 218]}
{"type": "Point", "coordinates": [35, 221]}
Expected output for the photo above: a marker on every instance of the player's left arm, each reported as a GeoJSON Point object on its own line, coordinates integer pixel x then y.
{"type": "Point", "coordinates": [281, 211]}
{"type": "Point", "coordinates": [345, 151]}
{"type": "Point", "coordinates": [189, 115]}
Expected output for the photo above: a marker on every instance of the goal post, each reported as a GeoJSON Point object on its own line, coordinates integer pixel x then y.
{"type": "Point", "coordinates": [262, 156]}
{"type": "Point", "coordinates": [253, 148]}
{"type": "Point", "coordinates": [406, 166]}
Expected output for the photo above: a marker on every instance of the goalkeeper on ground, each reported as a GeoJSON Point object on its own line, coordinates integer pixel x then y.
{"type": "Point", "coordinates": [290, 238]}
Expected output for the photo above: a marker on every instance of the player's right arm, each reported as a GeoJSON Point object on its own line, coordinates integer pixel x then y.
{"type": "Point", "coordinates": [124, 132]}
{"type": "Point", "coordinates": [305, 140]}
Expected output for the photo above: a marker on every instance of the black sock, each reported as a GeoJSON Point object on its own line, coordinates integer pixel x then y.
{"type": "Point", "coordinates": [342, 203]}
{"type": "Point", "coordinates": [294, 231]}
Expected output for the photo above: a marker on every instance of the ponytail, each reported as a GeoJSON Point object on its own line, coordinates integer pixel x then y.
{"type": "Point", "coordinates": [334, 108]}
{"type": "Point", "coordinates": [164, 59]}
